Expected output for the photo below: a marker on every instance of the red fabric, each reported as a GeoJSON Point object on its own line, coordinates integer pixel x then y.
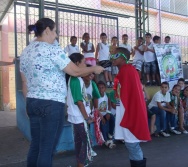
{"type": "Point", "coordinates": [135, 117]}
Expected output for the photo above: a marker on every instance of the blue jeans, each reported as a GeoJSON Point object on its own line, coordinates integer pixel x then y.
{"type": "Point", "coordinates": [171, 120]}
{"type": "Point", "coordinates": [108, 127]}
{"type": "Point", "coordinates": [160, 118]}
{"type": "Point", "coordinates": [46, 124]}
{"type": "Point", "coordinates": [135, 151]}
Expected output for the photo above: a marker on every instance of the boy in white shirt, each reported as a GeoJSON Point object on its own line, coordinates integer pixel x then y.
{"type": "Point", "coordinates": [150, 63]}
{"type": "Point", "coordinates": [102, 55]}
{"type": "Point", "coordinates": [125, 43]}
{"type": "Point", "coordinates": [72, 48]}
{"type": "Point", "coordinates": [159, 105]}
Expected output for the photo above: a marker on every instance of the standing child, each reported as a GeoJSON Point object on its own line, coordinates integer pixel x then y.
{"type": "Point", "coordinates": [107, 119]}
{"type": "Point", "coordinates": [78, 113]}
{"type": "Point", "coordinates": [114, 43]}
{"type": "Point", "coordinates": [150, 63]}
{"type": "Point", "coordinates": [72, 48]}
{"type": "Point", "coordinates": [103, 56]}
{"type": "Point", "coordinates": [125, 43]}
{"type": "Point", "coordinates": [88, 50]}
{"type": "Point", "coordinates": [131, 120]}
{"type": "Point", "coordinates": [138, 59]}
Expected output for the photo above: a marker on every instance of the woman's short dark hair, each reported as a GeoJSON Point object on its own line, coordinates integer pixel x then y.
{"type": "Point", "coordinates": [41, 25]}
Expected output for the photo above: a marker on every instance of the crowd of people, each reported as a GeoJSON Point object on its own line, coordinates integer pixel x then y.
{"type": "Point", "coordinates": [43, 65]}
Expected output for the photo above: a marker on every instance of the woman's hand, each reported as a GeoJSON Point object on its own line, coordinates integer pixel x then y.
{"type": "Point", "coordinates": [98, 69]}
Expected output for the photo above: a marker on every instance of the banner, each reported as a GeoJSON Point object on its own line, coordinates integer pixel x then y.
{"type": "Point", "coordinates": [169, 61]}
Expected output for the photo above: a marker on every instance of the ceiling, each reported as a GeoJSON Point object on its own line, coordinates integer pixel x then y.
{"type": "Point", "coordinates": [4, 8]}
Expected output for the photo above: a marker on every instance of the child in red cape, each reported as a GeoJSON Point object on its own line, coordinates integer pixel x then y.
{"type": "Point", "coordinates": [131, 116]}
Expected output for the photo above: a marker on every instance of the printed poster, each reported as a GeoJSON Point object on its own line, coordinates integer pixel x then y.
{"type": "Point", "coordinates": [169, 61]}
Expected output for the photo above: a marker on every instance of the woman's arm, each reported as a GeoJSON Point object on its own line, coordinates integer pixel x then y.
{"type": "Point", "coordinates": [24, 85]}
{"type": "Point", "coordinates": [76, 71]}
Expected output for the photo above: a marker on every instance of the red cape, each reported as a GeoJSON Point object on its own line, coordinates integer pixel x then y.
{"type": "Point", "coordinates": [131, 94]}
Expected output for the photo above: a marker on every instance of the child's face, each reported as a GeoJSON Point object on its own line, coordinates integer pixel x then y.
{"type": "Point", "coordinates": [88, 78]}
{"type": "Point", "coordinates": [148, 38]}
{"type": "Point", "coordinates": [167, 40]}
{"type": "Point", "coordinates": [158, 41]}
{"type": "Point", "coordinates": [114, 41]}
{"type": "Point", "coordinates": [82, 64]}
{"type": "Point", "coordinates": [140, 41]}
{"type": "Point", "coordinates": [86, 38]}
{"type": "Point", "coordinates": [185, 92]}
{"type": "Point", "coordinates": [103, 39]}
{"type": "Point", "coordinates": [181, 84]}
{"type": "Point", "coordinates": [176, 91]}
{"type": "Point", "coordinates": [124, 39]}
{"type": "Point", "coordinates": [73, 41]}
{"type": "Point", "coordinates": [164, 88]}
{"type": "Point", "coordinates": [102, 89]}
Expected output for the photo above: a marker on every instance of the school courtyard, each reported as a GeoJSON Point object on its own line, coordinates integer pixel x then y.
{"type": "Point", "coordinates": [160, 152]}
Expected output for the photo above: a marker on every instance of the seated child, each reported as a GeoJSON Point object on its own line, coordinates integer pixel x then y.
{"type": "Point", "coordinates": [151, 115]}
{"type": "Point", "coordinates": [78, 113]}
{"type": "Point", "coordinates": [181, 82]}
{"type": "Point", "coordinates": [159, 105]}
{"type": "Point", "coordinates": [171, 118]}
{"type": "Point", "coordinates": [185, 104]}
{"type": "Point", "coordinates": [107, 119]}
{"type": "Point", "coordinates": [72, 48]}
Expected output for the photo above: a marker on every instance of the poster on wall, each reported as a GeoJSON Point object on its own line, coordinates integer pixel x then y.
{"type": "Point", "coordinates": [169, 61]}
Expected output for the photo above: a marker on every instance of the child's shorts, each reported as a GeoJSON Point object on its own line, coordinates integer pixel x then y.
{"type": "Point", "coordinates": [150, 113]}
{"type": "Point", "coordinates": [138, 64]}
{"type": "Point", "coordinates": [150, 67]}
{"type": "Point", "coordinates": [115, 70]}
{"type": "Point", "coordinates": [108, 69]}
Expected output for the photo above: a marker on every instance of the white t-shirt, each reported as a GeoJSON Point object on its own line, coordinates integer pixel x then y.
{"type": "Point", "coordinates": [42, 65]}
{"type": "Point", "coordinates": [127, 46]}
{"type": "Point", "coordinates": [138, 55]}
{"type": "Point", "coordinates": [159, 97]}
{"type": "Point", "coordinates": [104, 52]}
{"type": "Point", "coordinates": [71, 49]}
{"type": "Point", "coordinates": [148, 55]}
{"type": "Point", "coordinates": [103, 104]}
{"type": "Point", "coordinates": [89, 47]}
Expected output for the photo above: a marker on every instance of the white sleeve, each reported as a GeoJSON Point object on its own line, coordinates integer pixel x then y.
{"type": "Point", "coordinates": [157, 97]}
{"type": "Point", "coordinates": [168, 99]}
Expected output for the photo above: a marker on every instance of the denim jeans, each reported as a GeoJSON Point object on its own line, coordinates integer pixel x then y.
{"type": "Point", "coordinates": [108, 127]}
{"type": "Point", "coordinates": [160, 118]}
{"type": "Point", "coordinates": [46, 124]}
{"type": "Point", "coordinates": [171, 120]}
{"type": "Point", "coordinates": [135, 151]}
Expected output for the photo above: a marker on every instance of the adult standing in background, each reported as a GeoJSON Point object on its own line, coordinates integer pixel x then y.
{"type": "Point", "coordinates": [43, 66]}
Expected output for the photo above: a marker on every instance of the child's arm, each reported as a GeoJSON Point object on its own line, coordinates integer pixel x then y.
{"type": "Point", "coordinates": [83, 111]}
{"type": "Point", "coordinates": [146, 93]}
{"type": "Point", "coordinates": [84, 47]}
{"type": "Point", "coordinates": [145, 47]}
{"type": "Point", "coordinates": [169, 108]}
{"type": "Point", "coordinates": [97, 52]}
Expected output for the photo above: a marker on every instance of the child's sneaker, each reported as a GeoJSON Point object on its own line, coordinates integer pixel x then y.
{"type": "Point", "coordinates": [175, 131]}
{"type": "Point", "coordinates": [108, 84]}
{"type": "Point", "coordinates": [93, 153]}
{"type": "Point", "coordinates": [148, 83]}
{"type": "Point", "coordinates": [164, 134]}
{"type": "Point", "coordinates": [110, 136]}
{"type": "Point", "coordinates": [112, 84]}
{"type": "Point", "coordinates": [110, 144]}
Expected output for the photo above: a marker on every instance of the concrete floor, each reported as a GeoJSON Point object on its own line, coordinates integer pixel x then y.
{"type": "Point", "coordinates": [160, 152]}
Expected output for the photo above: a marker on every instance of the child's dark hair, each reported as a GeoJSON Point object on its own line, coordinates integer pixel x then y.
{"type": "Point", "coordinates": [181, 79]}
{"type": "Point", "coordinates": [41, 25]}
{"type": "Point", "coordinates": [103, 34]}
{"type": "Point", "coordinates": [76, 57]}
{"type": "Point", "coordinates": [156, 38]}
{"type": "Point", "coordinates": [124, 35]}
{"type": "Point", "coordinates": [83, 36]}
{"type": "Point", "coordinates": [148, 34]}
{"type": "Point", "coordinates": [167, 37]}
{"type": "Point", "coordinates": [72, 37]}
{"type": "Point", "coordinates": [185, 88]}
{"type": "Point", "coordinates": [114, 37]}
{"type": "Point", "coordinates": [101, 83]}
{"type": "Point", "coordinates": [141, 38]}
{"type": "Point", "coordinates": [165, 83]}
{"type": "Point", "coordinates": [176, 85]}
{"type": "Point", "coordinates": [124, 51]}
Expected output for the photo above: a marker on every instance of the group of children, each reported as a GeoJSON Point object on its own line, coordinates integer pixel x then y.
{"type": "Point", "coordinates": [143, 54]}
{"type": "Point", "coordinates": [168, 110]}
